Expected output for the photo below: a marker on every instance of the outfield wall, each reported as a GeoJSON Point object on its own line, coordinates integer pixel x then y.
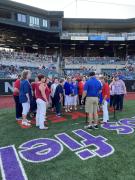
{"type": "Point", "coordinates": [6, 86]}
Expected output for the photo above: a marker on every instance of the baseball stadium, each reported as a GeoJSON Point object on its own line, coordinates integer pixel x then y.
{"type": "Point", "coordinates": [67, 95]}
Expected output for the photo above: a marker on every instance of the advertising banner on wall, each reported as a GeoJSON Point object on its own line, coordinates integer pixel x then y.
{"type": "Point", "coordinates": [6, 86]}
{"type": "Point", "coordinates": [98, 38]}
{"type": "Point", "coordinates": [79, 38]}
{"type": "Point", "coordinates": [121, 38]}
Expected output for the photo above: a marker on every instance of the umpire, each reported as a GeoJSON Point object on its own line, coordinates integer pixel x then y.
{"type": "Point", "coordinates": [91, 92]}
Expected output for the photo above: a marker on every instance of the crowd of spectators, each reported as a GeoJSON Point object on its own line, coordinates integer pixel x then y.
{"type": "Point", "coordinates": [92, 60]}
{"type": "Point", "coordinates": [12, 63]}
{"type": "Point", "coordinates": [29, 59]}
{"type": "Point", "coordinates": [126, 73]}
{"type": "Point", "coordinates": [13, 71]}
{"type": "Point", "coordinates": [122, 73]}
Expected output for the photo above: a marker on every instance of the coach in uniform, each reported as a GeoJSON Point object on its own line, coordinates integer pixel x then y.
{"type": "Point", "coordinates": [92, 88]}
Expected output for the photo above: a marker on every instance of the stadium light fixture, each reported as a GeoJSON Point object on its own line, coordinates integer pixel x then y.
{"type": "Point", "coordinates": [89, 48]}
{"type": "Point", "coordinates": [106, 44]}
{"type": "Point", "coordinates": [35, 47]}
{"type": "Point", "coordinates": [28, 39]}
{"type": "Point", "coordinates": [8, 40]}
{"type": "Point", "coordinates": [120, 48]}
{"type": "Point", "coordinates": [123, 44]}
{"type": "Point", "coordinates": [13, 37]}
{"type": "Point", "coordinates": [2, 40]}
{"type": "Point", "coordinates": [91, 44]}
{"type": "Point", "coordinates": [101, 48]}
{"type": "Point", "coordinates": [47, 47]}
{"type": "Point", "coordinates": [56, 47]}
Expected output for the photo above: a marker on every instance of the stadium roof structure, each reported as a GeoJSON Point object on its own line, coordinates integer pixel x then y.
{"type": "Point", "coordinates": [35, 10]}
{"type": "Point", "coordinates": [67, 22]}
{"type": "Point", "coordinates": [15, 34]}
{"type": "Point", "coordinates": [19, 37]}
{"type": "Point", "coordinates": [98, 23]}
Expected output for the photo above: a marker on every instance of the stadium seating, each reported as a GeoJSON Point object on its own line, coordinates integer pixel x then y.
{"type": "Point", "coordinates": [12, 63]}
{"type": "Point", "coordinates": [29, 59]}
{"type": "Point", "coordinates": [92, 60]}
{"type": "Point", "coordinates": [12, 71]}
{"type": "Point", "coordinates": [123, 73]}
{"type": "Point", "coordinates": [127, 70]}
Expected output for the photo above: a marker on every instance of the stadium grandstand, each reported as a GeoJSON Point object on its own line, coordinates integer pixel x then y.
{"type": "Point", "coordinates": [45, 41]}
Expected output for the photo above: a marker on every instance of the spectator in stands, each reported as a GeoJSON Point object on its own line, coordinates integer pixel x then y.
{"type": "Point", "coordinates": [91, 92]}
{"type": "Point", "coordinates": [25, 96]}
{"type": "Point", "coordinates": [18, 105]}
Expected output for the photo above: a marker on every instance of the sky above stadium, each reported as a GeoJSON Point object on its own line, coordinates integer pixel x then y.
{"type": "Point", "coordinates": [117, 9]}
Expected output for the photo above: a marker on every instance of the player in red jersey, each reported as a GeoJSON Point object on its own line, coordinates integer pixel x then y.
{"type": "Point", "coordinates": [106, 98]}
{"type": "Point", "coordinates": [42, 102]}
{"type": "Point", "coordinates": [18, 105]}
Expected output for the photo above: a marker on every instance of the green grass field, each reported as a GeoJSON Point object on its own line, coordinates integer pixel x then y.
{"type": "Point", "coordinates": [118, 166]}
